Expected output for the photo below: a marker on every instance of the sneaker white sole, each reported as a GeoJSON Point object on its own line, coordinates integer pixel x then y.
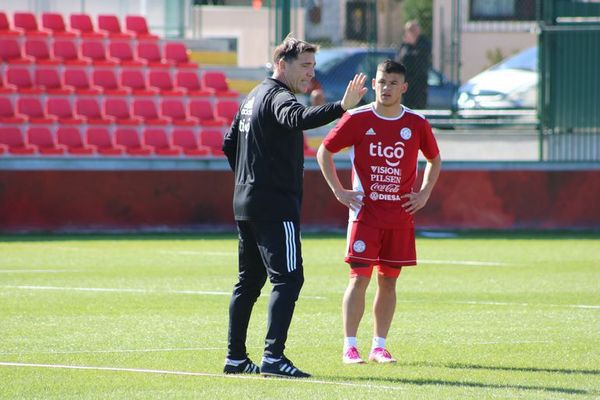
{"type": "Point", "coordinates": [348, 361]}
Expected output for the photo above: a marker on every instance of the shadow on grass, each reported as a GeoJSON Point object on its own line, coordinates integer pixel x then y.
{"type": "Point", "coordinates": [567, 371]}
{"type": "Point", "coordinates": [440, 382]}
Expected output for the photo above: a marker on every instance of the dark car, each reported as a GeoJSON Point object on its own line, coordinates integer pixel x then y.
{"type": "Point", "coordinates": [336, 67]}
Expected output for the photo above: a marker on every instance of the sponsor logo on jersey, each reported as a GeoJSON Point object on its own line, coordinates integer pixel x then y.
{"type": "Point", "coordinates": [384, 196]}
{"type": "Point", "coordinates": [247, 108]}
{"type": "Point", "coordinates": [386, 188]}
{"type": "Point", "coordinates": [390, 153]}
{"type": "Point", "coordinates": [405, 133]}
{"type": "Point", "coordinates": [359, 246]}
{"type": "Point", "coordinates": [370, 132]}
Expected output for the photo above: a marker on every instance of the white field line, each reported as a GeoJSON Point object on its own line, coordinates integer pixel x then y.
{"type": "Point", "coordinates": [465, 262]}
{"type": "Point", "coordinates": [217, 293]}
{"type": "Point", "coordinates": [36, 271]}
{"type": "Point", "coordinates": [121, 350]}
{"type": "Point", "coordinates": [199, 374]}
{"type": "Point", "coordinates": [501, 303]}
{"type": "Point", "coordinates": [145, 291]}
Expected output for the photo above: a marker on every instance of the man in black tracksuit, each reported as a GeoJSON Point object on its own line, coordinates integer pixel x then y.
{"type": "Point", "coordinates": [264, 147]}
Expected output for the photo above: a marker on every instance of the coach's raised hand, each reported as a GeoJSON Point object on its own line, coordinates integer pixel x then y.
{"type": "Point", "coordinates": [355, 91]}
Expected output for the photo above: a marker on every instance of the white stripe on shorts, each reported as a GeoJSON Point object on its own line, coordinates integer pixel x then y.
{"type": "Point", "coordinates": [290, 245]}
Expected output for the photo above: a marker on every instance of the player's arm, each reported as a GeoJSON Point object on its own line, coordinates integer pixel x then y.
{"type": "Point", "coordinates": [230, 142]}
{"type": "Point", "coordinates": [349, 198]}
{"type": "Point", "coordinates": [416, 201]}
{"type": "Point", "coordinates": [293, 115]}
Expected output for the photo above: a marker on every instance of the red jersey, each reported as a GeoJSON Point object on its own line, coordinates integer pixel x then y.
{"type": "Point", "coordinates": [384, 154]}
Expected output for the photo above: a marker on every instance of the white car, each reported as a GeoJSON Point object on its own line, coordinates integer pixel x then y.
{"type": "Point", "coordinates": [511, 84]}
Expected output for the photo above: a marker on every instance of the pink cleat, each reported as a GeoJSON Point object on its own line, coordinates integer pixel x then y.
{"type": "Point", "coordinates": [381, 355]}
{"type": "Point", "coordinates": [351, 356]}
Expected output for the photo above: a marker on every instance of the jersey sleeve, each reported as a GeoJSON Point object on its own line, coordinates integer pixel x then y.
{"type": "Point", "coordinates": [428, 145]}
{"type": "Point", "coordinates": [343, 134]}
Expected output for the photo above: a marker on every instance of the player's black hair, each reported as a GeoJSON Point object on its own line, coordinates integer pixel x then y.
{"type": "Point", "coordinates": [392, 67]}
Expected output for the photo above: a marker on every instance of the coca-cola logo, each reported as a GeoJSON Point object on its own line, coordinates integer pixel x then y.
{"type": "Point", "coordinates": [385, 188]}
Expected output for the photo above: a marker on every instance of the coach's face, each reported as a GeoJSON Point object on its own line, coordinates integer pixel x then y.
{"type": "Point", "coordinates": [389, 88]}
{"type": "Point", "coordinates": [298, 73]}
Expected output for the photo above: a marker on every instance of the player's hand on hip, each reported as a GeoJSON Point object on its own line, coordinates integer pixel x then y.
{"type": "Point", "coordinates": [350, 198]}
{"type": "Point", "coordinates": [415, 201]}
{"type": "Point", "coordinates": [355, 91]}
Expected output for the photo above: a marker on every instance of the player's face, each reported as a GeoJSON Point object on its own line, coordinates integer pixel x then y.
{"type": "Point", "coordinates": [300, 72]}
{"type": "Point", "coordinates": [389, 88]}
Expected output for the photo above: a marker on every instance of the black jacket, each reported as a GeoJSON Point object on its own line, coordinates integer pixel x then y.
{"type": "Point", "coordinates": [265, 149]}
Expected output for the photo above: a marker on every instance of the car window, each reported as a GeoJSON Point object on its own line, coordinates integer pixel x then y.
{"type": "Point", "coordinates": [526, 60]}
{"type": "Point", "coordinates": [329, 59]}
{"type": "Point", "coordinates": [434, 79]}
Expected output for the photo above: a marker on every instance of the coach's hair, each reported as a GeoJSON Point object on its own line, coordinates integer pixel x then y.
{"type": "Point", "coordinates": [392, 67]}
{"type": "Point", "coordinates": [291, 48]}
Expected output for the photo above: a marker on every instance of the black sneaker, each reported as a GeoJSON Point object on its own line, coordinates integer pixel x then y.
{"type": "Point", "coordinates": [282, 368]}
{"type": "Point", "coordinates": [247, 367]}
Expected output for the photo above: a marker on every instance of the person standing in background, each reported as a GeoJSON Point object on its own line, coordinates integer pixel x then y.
{"type": "Point", "coordinates": [415, 55]}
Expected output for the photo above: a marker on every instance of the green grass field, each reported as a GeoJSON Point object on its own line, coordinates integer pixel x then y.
{"type": "Point", "coordinates": [484, 316]}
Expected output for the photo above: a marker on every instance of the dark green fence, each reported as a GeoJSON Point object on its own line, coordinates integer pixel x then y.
{"type": "Point", "coordinates": [569, 103]}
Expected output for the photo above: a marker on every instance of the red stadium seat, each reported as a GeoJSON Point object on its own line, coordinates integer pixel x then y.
{"type": "Point", "coordinates": [22, 79]}
{"type": "Point", "coordinates": [136, 80]}
{"type": "Point", "coordinates": [175, 109]}
{"type": "Point", "coordinates": [308, 151]}
{"type": "Point", "coordinates": [129, 138]}
{"type": "Point", "coordinates": [137, 26]}
{"type": "Point", "coordinates": [69, 53]}
{"type": "Point", "coordinates": [28, 22]}
{"type": "Point", "coordinates": [90, 109]}
{"type": "Point", "coordinates": [61, 108]}
{"type": "Point", "coordinates": [82, 23]}
{"type": "Point", "coordinates": [96, 51]}
{"type": "Point", "coordinates": [6, 30]}
{"type": "Point", "coordinates": [45, 141]}
{"type": "Point", "coordinates": [110, 25]}
{"type": "Point", "coordinates": [107, 80]}
{"type": "Point", "coordinates": [103, 141]}
{"type": "Point", "coordinates": [55, 23]}
{"type": "Point", "coordinates": [51, 81]}
{"type": "Point", "coordinates": [3, 148]}
{"type": "Point", "coordinates": [189, 81]}
{"type": "Point", "coordinates": [78, 79]}
{"type": "Point", "coordinates": [185, 138]}
{"type": "Point", "coordinates": [40, 51]}
{"type": "Point", "coordinates": [158, 139]}
{"type": "Point", "coordinates": [146, 109]}
{"type": "Point", "coordinates": [5, 87]}
{"type": "Point", "coordinates": [120, 109]}
{"type": "Point", "coordinates": [11, 52]}
{"type": "Point", "coordinates": [12, 138]}
{"type": "Point", "coordinates": [178, 53]}
{"type": "Point", "coordinates": [70, 137]}
{"type": "Point", "coordinates": [122, 51]}
{"type": "Point", "coordinates": [35, 111]}
{"type": "Point", "coordinates": [203, 110]}
{"type": "Point", "coordinates": [8, 114]}
{"type": "Point", "coordinates": [150, 52]}
{"type": "Point", "coordinates": [216, 81]}
{"type": "Point", "coordinates": [162, 81]}
{"type": "Point", "coordinates": [226, 109]}
{"type": "Point", "coordinates": [213, 139]}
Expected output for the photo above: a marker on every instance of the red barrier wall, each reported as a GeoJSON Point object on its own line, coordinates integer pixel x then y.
{"type": "Point", "coordinates": [187, 200]}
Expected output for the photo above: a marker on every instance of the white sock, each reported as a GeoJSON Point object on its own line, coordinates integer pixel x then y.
{"type": "Point", "coordinates": [270, 360]}
{"type": "Point", "coordinates": [349, 342]}
{"type": "Point", "coordinates": [378, 342]}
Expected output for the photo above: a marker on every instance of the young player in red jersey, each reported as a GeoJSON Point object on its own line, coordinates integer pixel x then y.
{"type": "Point", "coordinates": [384, 138]}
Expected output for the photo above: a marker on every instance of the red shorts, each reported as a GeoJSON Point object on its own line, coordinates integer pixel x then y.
{"type": "Point", "coordinates": [382, 247]}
